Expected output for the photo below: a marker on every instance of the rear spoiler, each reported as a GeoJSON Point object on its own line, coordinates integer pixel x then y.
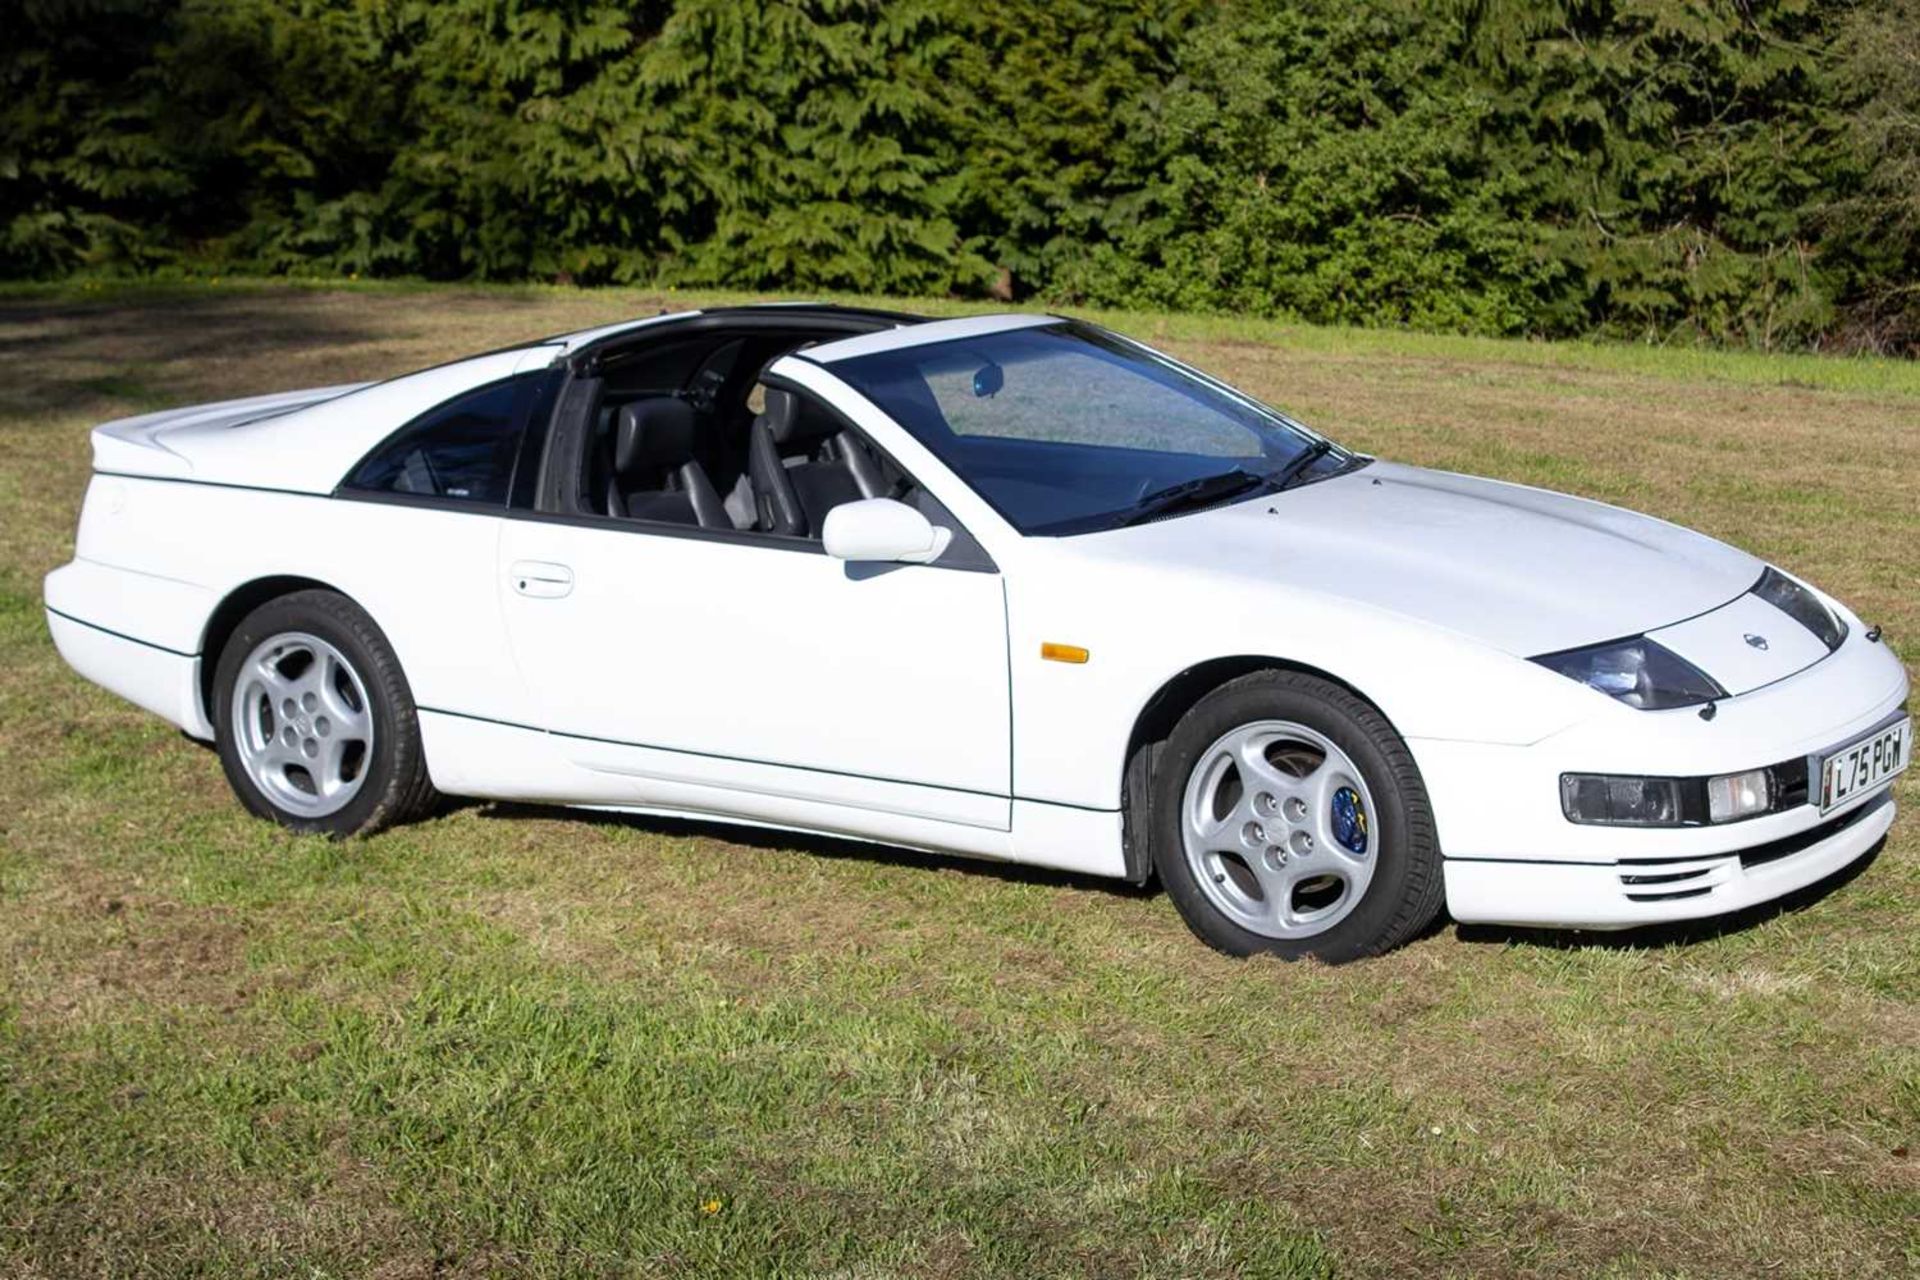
{"type": "Point", "coordinates": [161, 444]}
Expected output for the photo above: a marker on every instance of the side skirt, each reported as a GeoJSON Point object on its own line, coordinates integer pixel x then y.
{"type": "Point", "coordinates": [488, 760]}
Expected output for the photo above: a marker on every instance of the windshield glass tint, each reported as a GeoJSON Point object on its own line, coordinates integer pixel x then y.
{"type": "Point", "coordinates": [1067, 428]}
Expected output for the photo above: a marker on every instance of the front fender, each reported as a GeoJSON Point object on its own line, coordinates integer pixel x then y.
{"type": "Point", "coordinates": [1144, 629]}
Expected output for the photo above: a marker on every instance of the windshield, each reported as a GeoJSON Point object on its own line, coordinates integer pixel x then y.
{"type": "Point", "coordinates": [1066, 428]}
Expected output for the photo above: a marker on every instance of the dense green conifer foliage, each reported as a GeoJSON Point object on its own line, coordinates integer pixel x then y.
{"type": "Point", "coordinates": [1743, 171]}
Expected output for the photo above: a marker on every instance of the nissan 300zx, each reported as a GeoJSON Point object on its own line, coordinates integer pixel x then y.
{"type": "Point", "coordinates": [1011, 586]}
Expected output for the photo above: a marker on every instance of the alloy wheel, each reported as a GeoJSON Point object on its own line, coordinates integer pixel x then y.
{"type": "Point", "coordinates": [303, 724]}
{"type": "Point", "coordinates": [1279, 829]}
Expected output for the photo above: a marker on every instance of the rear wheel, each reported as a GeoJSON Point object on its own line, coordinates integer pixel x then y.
{"type": "Point", "coordinates": [315, 723]}
{"type": "Point", "coordinates": [1291, 819]}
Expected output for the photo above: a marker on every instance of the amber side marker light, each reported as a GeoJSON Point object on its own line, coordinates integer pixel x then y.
{"type": "Point", "coordinates": [1062, 652]}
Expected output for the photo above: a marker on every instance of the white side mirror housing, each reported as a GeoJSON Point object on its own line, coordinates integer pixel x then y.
{"type": "Point", "coordinates": [882, 529]}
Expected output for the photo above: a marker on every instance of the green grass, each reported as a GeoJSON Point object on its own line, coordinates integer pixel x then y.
{"type": "Point", "coordinates": [519, 1041]}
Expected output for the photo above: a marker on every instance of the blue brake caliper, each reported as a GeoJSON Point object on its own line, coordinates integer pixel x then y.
{"type": "Point", "coordinates": [1349, 820]}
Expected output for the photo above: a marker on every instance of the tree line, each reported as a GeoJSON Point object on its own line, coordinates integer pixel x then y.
{"type": "Point", "coordinates": [1730, 171]}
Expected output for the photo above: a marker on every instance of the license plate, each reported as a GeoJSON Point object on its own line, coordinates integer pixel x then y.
{"type": "Point", "coordinates": [1865, 765]}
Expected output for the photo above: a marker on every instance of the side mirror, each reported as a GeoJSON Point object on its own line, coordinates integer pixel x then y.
{"type": "Point", "coordinates": [882, 529]}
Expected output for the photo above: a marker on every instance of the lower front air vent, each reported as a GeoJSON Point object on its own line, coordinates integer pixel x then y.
{"type": "Point", "coordinates": [1671, 879]}
{"type": "Point", "coordinates": [1667, 877]}
{"type": "Point", "coordinates": [1774, 850]}
{"type": "Point", "coordinates": [1671, 896]}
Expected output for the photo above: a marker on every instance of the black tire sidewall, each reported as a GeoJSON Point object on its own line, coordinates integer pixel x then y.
{"type": "Point", "coordinates": [396, 737]}
{"type": "Point", "coordinates": [1407, 869]}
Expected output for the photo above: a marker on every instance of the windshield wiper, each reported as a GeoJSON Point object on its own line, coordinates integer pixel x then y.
{"type": "Point", "coordinates": [1189, 494]}
{"type": "Point", "coordinates": [1298, 464]}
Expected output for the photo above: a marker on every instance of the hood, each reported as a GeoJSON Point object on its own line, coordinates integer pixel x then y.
{"type": "Point", "coordinates": [1523, 570]}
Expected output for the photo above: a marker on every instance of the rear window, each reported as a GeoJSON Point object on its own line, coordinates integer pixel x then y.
{"type": "Point", "coordinates": [462, 451]}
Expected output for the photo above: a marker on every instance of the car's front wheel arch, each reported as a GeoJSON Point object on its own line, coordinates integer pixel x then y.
{"type": "Point", "coordinates": [1175, 697]}
{"type": "Point", "coordinates": [1284, 813]}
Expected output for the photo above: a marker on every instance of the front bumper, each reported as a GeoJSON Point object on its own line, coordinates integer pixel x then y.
{"type": "Point", "coordinates": [1512, 857]}
{"type": "Point", "coordinates": [1630, 892]}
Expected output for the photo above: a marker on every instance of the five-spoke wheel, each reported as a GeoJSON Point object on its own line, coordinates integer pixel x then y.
{"type": "Point", "coordinates": [1278, 830]}
{"type": "Point", "coordinates": [315, 721]}
{"type": "Point", "coordinates": [1288, 817]}
{"type": "Point", "coordinates": [302, 724]}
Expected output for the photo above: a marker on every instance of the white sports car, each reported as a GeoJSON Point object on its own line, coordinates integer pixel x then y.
{"type": "Point", "coordinates": [1010, 586]}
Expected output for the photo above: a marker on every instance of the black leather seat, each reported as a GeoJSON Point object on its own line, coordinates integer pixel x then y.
{"type": "Point", "coordinates": [802, 464]}
{"type": "Point", "coordinates": [654, 475]}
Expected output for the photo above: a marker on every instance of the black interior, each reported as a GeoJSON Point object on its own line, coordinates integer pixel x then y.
{"type": "Point", "coordinates": [801, 464]}
{"type": "Point", "coordinates": [680, 435]}
{"type": "Point", "coordinates": [655, 475]}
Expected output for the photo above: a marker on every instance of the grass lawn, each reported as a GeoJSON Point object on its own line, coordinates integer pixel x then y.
{"type": "Point", "coordinates": [519, 1041]}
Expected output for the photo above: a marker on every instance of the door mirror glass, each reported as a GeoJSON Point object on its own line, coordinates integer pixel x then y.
{"type": "Point", "coordinates": [882, 529]}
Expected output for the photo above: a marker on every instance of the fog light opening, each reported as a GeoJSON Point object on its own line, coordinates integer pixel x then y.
{"type": "Point", "coordinates": [1616, 801]}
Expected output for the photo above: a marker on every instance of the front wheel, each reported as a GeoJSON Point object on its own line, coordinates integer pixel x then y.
{"type": "Point", "coordinates": [315, 722]}
{"type": "Point", "coordinates": [1290, 818]}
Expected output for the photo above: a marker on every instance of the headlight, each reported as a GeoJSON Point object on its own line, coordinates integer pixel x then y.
{"type": "Point", "coordinates": [1638, 672]}
{"type": "Point", "coordinates": [1604, 800]}
{"type": "Point", "coordinates": [1800, 604]}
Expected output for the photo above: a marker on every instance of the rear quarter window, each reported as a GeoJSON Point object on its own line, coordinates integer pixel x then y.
{"type": "Point", "coordinates": [461, 451]}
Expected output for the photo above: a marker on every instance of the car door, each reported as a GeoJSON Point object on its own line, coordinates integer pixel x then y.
{"type": "Point", "coordinates": [413, 537]}
{"type": "Point", "coordinates": [731, 672]}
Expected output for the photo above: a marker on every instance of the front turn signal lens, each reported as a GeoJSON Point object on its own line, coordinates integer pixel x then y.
{"type": "Point", "coordinates": [1738, 795]}
{"type": "Point", "coordinates": [1063, 652]}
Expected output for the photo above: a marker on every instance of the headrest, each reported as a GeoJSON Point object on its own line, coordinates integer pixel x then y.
{"type": "Point", "coordinates": [788, 423]}
{"type": "Point", "coordinates": [652, 435]}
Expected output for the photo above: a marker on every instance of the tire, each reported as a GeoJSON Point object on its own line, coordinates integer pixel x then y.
{"type": "Point", "coordinates": [315, 722]}
{"type": "Point", "coordinates": [1249, 830]}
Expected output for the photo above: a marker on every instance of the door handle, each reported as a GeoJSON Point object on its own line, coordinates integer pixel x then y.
{"type": "Point", "coordinates": [541, 579]}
